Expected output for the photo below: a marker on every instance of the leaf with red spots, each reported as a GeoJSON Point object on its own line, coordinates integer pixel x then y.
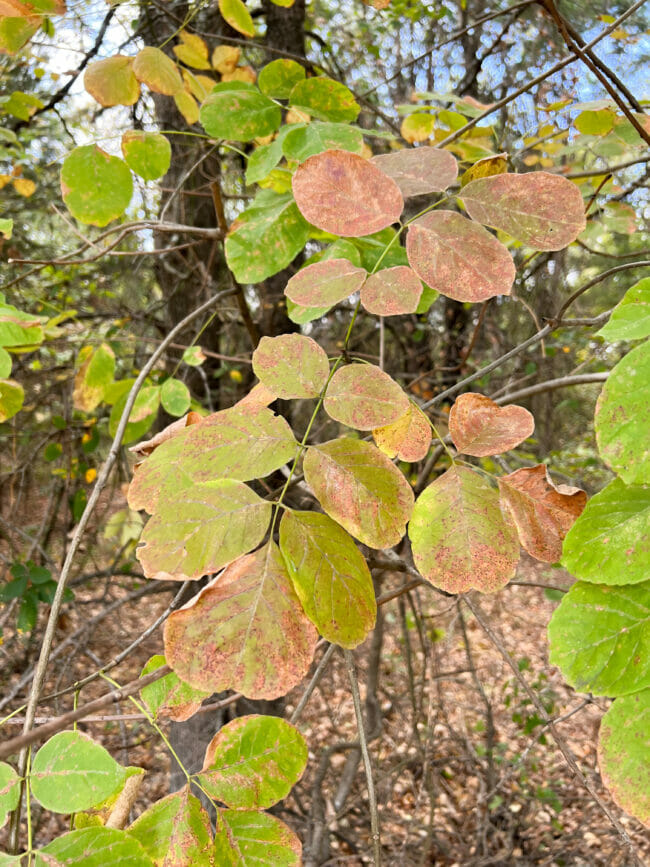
{"type": "Point", "coordinates": [392, 291]}
{"type": "Point", "coordinates": [361, 489]}
{"type": "Point", "coordinates": [542, 511]}
{"type": "Point", "coordinates": [364, 397]}
{"type": "Point", "coordinates": [175, 830]}
{"type": "Point", "coordinates": [624, 753]}
{"type": "Point", "coordinates": [169, 697]}
{"type": "Point", "coordinates": [253, 762]}
{"type": "Point", "coordinates": [419, 170]}
{"type": "Point", "coordinates": [459, 258]}
{"type": "Point", "coordinates": [480, 427]}
{"type": "Point", "coordinates": [539, 209]}
{"type": "Point", "coordinates": [343, 193]}
{"type": "Point", "coordinates": [204, 526]}
{"type": "Point", "coordinates": [408, 438]}
{"type": "Point", "coordinates": [460, 539]}
{"type": "Point", "coordinates": [330, 576]}
{"type": "Point", "coordinates": [244, 838]}
{"type": "Point", "coordinates": [291, 365]}
{"type": "Point", "coordinates": [246, 631]}
{"type": "Point", "coordinates": [325, 283]}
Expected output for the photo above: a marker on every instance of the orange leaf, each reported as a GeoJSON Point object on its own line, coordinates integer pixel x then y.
{"type": "Point", "coordinates": [479, 427]}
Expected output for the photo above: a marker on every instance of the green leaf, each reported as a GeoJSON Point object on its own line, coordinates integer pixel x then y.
{"type": "Point", "coordinates": [624, 753]}
{"type": "Point", "coordinates": [325, 99]}
{"type": "Point", "coordinates": [291, 366]}
{"type": "Point", "coordinates": [595, 122]}
{"type": "Point", "coordinates": [362, 396]}
{"type": "Point", "coordinates": [175, 397]}
{"type": "Point", "coordinates": [148, 154]}
{"type": "Point", "coordinates": [12, 398]}
{"type": "Point", "coordinates": [237, 111]}
{"type": "Point", "coordinates": [246, 631]}
{"type": "Point", "coordinates": [235, 443]}
{"type": "Point", "coordinates": [9, 791]}
{"type": "Point", "coordinates": [27, 613]}
{"type": "Point", "coordinates": [277, 78]}
{"type": "Point", "coordinates": [249, 839]}
{"type": "Point", "coordinates": [610, 541]}
{"type": "Point", "coordinates": [158, 71]}
{"type": "Point", "coordinates": [622, 419]}
{"type": "Point", "coordinates": [236, 14]}
{"type": "Point", "coordinates": [361, 489]}
{"type": "Point", "coordinates": [330, 576]}
{"type": "Point", "coordinates": [600, 638]}
{"type": "Point", "coordinates": [199, 527]}
{"type": "Point", "coordinates": [193, 356]}
{"type": "Point", "coordinates": [265, 158]}
{"type": "Point", "coordinates": [94, 847]}
{"type": "Point", "coordinates": [630, 319]}
{"type": "Point", "coordinates": [266, 237]}
{"type": "Point", "coordinates": [6, 227]}
{"type": "Point", "coordinates": [95, 373]}
{"type": "Point", "coordinates": [16, 32]}
{"type": "Point", "coordinates": [18, 328]}
{"type": "Point", "coordinates": [143, 414]}
{"type": "Point", "coordinates": [96, 187]}
{"type": "Point", "coordinates": [302, 142]}
{"type": "Point", "coordinates": [539, 209]}
{"type": "Point", "coordinates": [71, 772]}
{"type": "Point", "coordinates": [112, 81]}
{"type": "Point", "coordinates": [253, 762]}
{"type": "Point", "coordinates": [175, 830]}
{"type": "Point", "coordinates": [325, 283]}
{"type": "Point", "coordinates": [459, 536]}
{"type": "Point", "coordinates": [169, 697]}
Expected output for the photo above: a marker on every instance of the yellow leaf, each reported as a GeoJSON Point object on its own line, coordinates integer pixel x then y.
{"type": "Point", "coordinates": [24, 187]}
{"type": "Point", "coordinates": [198, 85]}
{"type": "Point", "coordinates": [187, 106]}
{"type": "Point", "coordinates": [193, 51]}
{"type": "Point", "coordinates": [91, 475]}
{"type": "Point", "coordinates": [225, 58]}
{"type": "Point", "coordinates": [417, 127]}
{"type": "Point", "coordinates": [238, 16]}
{"type": "Point", "coordinates": [241, 73]}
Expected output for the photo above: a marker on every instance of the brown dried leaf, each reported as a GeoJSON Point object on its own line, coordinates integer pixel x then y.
{"type": "Point", "coordinates": [419, 170]}
{"type": "Point", "coordinates": [364, 397]}
{"type": "Point", "coordinates": [392, 291]}
{"type": "Point", "coordinates": [480, 427]}
{"type": "Point", "coordinates": [257, 398]}
{"type": "Point", "coordinates": [408, 438]}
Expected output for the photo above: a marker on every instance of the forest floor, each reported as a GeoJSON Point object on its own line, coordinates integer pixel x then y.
{"type": "Point", "coordinates": [465, 771]}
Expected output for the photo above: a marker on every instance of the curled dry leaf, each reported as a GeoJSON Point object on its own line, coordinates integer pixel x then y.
{"type": "Point", "coordinates": [408, 438]}
{"type": "Point", "coordinates": [345, 194]}
{"type": "Point", "coordinates": [246, 631]}
{"type": "Point", "coordinates": [143, 449]}
{"type": "Point", "coordinates": [539, 209]}
{"type": "Point", "coordinates": [392, 291]}
{"type": "Point", "coordinates": [325, 283]}
{"type": "Point", "coordinates": [459, 258]}
{"type": "Point", "coordinates": [419, 170]}
{"type": "Point", "coordinates": [479, 427]}
{"type": "Point", "coordinates": [292, 365]}
{"type": "Point", "coordinates": [364, 397]}
{"type": "Point", "coordinates": [542, 511]}
{"type": "Point", "coordinates": [257, 398]}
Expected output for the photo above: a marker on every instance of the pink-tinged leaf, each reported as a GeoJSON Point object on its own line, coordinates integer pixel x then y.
{"type": "Point", "coordinates": [361, 489]}
{"type": "Point", "coordinates": [330, 576]}
{"type": "Point", "coordinates": [392, 291]}
{"type": "Point", "coordinates": [460, 538]}
{"type": "Point", "coordinates": [542, 511]}
{"type": "Point", "coordinates": [247, 838]}
{"type": "Point", "coordinates": [480, 427]}
{"type": "Point", "coordinates": [257, 398]}
{"type": "Point", "coordinates": [291, 365]}
{"type": "Point", "coordinates": [408, 438]}
{"type": "Point", "coordinates": [145, 448]}
{"type": "Point", "coordinates": [253, 762]}
{"type": "Point", "coordinates": [419, 170]}
{"type": "Point", "coordinates": [201, 528]}
{"type": "Point", "coordinates": [459, 258]}
{"type": "Point", "coordinates": [364, 397]}
{"type": "Point", "coordinates": [169, 697]}
{"type": "Point", "coordinates": [175, 830]}
{"type": "Point", "coordinates": [539, 209]}
{"type": "Point", "coordinates": [343, 193]}
{"type": "Point", "coordinates": [325, 283]}
{"type": "Point", "coordinates": [246, 631]}
{"type": "Point", "coordinates": [240, 443]}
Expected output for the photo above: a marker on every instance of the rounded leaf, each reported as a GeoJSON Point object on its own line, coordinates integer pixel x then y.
{"type": "Point", "coordinates": [175, 397]}
{"type": "Point", "coordinates": [610, 541]}
{"type": "Point", "coordinates": [360, 489]}
{"type": "Point", "coordinates": [408, 438]}
{"type": "Point", "coordinates": [248, 839]}
{"type": "Point", "coordinates": [94, 847]}
{"type": "Point", "coordinates": [417, 171]}
{"type": "Point", "coordinates": [364, 397]}
{"type": "Point", "coordinates": [278, 77]}
{"type": "Point", "coordinates": [291, 365]}
{"type": "Point", "coordinates": [237, 111]}
{"type": "Point", "coordinates": [147, 153]}
{"type": "Point", "coordinates": [71, 772]}
{"type": "Point", "coordinates": [96, 187]}
{"type": "Point", "coordinates": [539, 209]}
{"type": "Point", "coordinates": [600, 640]}
{"type": "Point", "coordinates": [112, 81]}
{"type": "Point", "coordinates": [344, 194]}
{"type": "Point", "coordinates": [175, 830]}
{"type": "Point", "coordinates": [624, 753]}
{"type": "Point", "coordinates": [622, 419]}
{"type": "Point", "coordinates": [303, 141]}
{"type": "Point", "coordinates": [459, 536]}
{"type": "Point", "coordinates": [253, 762]}
{"type": "Point", "coordinates": [330, 576]}
{"type": "Point", "coordinates": [325, 283]}
{"type": "Point", "coordinates": [325, 99]}
{"type": "Point", "coordinates": [459, 258]}
{"type": "Point", "coordinates": [159, 72]}
{"type": "Point", "coordinates": [246, 631]}
{"type": "Point", "coordinates": [480, 427]}
{"type": "Point", "coordinates": [392, 291]}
